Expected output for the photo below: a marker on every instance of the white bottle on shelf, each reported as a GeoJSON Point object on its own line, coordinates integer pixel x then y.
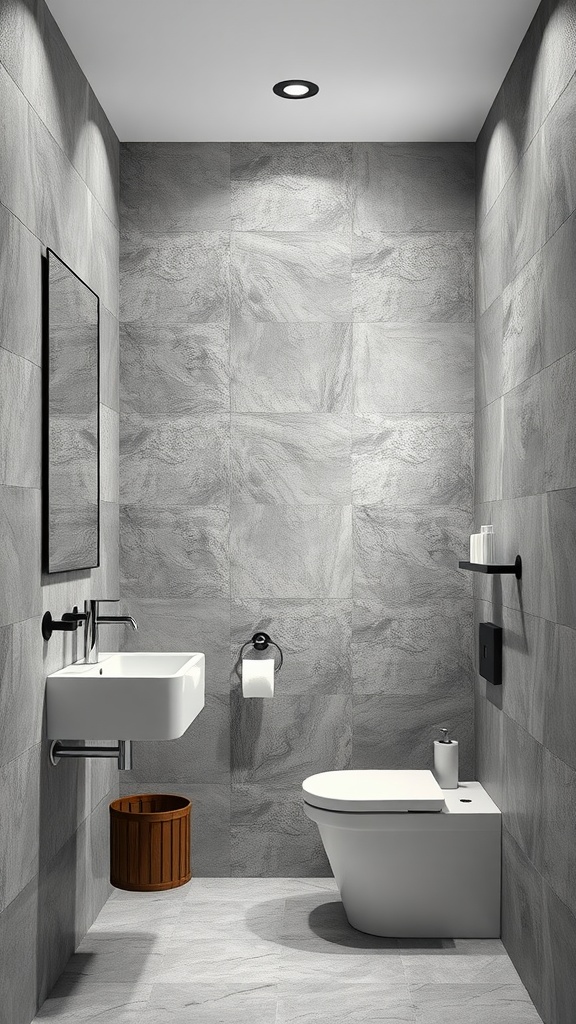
{"type": "Point", "coordinates": [446, 761]}
{"type": "Point", "coordinates": [486, 545]}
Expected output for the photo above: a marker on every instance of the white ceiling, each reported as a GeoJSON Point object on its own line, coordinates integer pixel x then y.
{"type": "Point", "coordinates": [388, 70]}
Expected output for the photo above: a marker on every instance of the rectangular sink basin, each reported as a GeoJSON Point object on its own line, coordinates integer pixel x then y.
{"type": "Point", "coordinates": [125, 696]}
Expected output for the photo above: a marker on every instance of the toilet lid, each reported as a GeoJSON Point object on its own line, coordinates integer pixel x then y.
{"type": "Point", "coordinates": [377, 790]}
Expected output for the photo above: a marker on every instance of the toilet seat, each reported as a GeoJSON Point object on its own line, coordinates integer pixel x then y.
{"type": "Point", "coordinates": [368, 791]}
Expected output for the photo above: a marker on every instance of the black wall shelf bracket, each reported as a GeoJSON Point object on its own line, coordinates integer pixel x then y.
{"type": "Point", "coordinates": [495, 569]}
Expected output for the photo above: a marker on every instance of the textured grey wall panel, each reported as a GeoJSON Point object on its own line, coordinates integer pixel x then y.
{"type": "Point", "coordinates": [525, 485]}
{"type": "Point", "coordinates": [297, 458]}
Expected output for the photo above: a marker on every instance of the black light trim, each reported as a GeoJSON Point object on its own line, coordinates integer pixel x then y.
{"type": "Point", "coordinates": [280, 89]}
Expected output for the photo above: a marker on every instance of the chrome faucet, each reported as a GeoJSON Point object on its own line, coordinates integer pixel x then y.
{"type": "Point", "coordinates": [92, 621]}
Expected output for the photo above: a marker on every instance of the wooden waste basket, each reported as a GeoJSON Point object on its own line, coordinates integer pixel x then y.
{"type": "Point", "coordinates": [150, 842]}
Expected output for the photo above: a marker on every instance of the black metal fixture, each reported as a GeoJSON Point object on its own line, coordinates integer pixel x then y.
{"type": "Point", "coordinates": [295, 89]}
{"type": "Point", "coordinates": [495, 569]}
{"type": "Point", "coordinates": [260, 642]}
{"type": "Point", "coordinates": [68, 623]}
{"type": "Point", "coordinates": [490, 652]}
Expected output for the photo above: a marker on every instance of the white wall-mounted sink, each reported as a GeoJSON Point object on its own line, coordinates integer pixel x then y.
{"type": "Point", "coordinates": [126, 696]}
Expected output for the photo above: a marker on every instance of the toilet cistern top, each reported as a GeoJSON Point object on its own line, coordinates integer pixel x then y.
{"type": "Point", "coordinates": [374, 790]}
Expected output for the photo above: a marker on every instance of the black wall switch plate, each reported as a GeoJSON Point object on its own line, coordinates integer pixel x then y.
{"type": "Point", "coordinates": [490, 648]}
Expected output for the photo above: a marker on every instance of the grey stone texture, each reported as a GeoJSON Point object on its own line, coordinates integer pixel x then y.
{"type": "Point", "coordinates": [297, 406]}
{"type": "Point", "coordinates": [58, 188]}
{"type": "Point", "coordinates": [275, 950]}
{"type": "Point", "coordinates": [525, 485]}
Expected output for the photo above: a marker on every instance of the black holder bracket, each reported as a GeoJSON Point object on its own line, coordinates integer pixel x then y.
{"type": "Point", "coordinates": [68, 623]}
{"type": "Point", "coordinates": [261, 642]}
{"type": "Point", "coordinates": [495, 569]}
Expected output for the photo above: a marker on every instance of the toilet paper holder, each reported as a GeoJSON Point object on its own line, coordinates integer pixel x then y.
{"type": "Point", "coordinates": [261, 642]}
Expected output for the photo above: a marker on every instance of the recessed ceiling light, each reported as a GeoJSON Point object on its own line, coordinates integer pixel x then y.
{"type": "Point", "coordinates": [295, 89]}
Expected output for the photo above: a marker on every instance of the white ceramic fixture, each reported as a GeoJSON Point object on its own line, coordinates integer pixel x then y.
{"type": "Point", "coordinates": [411, 860]}
{"type": "Point", "coordinates": [139, 696]}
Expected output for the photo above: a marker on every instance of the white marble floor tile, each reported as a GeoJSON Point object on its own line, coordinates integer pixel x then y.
{"type": "Point", "coordinates": [276, 951]}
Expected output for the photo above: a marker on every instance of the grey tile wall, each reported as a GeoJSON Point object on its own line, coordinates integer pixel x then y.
{"type": "Point", "coordinates": [297, 408]}
{"type": "Point", "coordinates": [525, 484]}
{"type": "Point", "coordinates": [58, 188]}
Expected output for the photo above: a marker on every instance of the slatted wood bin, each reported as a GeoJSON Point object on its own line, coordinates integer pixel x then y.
{"type": "Point", "coordinates": [150, 842]}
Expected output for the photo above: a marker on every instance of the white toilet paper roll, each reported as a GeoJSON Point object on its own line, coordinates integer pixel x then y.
{"type": "Point", "coordinates": [258, 677]}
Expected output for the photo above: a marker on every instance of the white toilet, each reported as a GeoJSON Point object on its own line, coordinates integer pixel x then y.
{"type": "Point", "coordinates": [411, 860]}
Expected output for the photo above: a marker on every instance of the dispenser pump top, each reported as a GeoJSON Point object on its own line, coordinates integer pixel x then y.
{"type": "Point", "coordinates": [445, 736]}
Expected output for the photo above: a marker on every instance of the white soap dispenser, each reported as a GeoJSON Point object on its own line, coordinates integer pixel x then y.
{"type": "Point", "coordinates": [446, 761]}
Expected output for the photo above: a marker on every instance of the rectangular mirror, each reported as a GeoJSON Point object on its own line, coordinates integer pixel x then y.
{"type": "Point", "coordinates": [72, 421]}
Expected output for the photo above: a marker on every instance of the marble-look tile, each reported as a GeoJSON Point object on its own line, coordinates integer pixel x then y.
{"type": "Point", "coordinates": [271, 835]}
{"type": "Point", "coordinates": [20, 298]}
{"type": "Point", "coordinates": [112, 957]}
{"type": "Point", "coordinates": [419, 186]}
{"type": "Point", "coordinates": [105, 579]}
{"type": "Point", "coordinates": [409, 555]}
{"type": "Point", "coordinates": [522, 914]}
{"type": "Point", "coordinates": [460, 969]}
{"type": "Point", "coordinates": [478, 1003]}
{"type": "Point", "coordinates": [109, 359]}
{"type": "Point", "coordinates": [178, 278]}
{"type": "Point", "coordinates": [313, 635]}
{"type": "Point", "coordinates": [285, 276]}
{"type": "Point", "coordinates": [558, 417]}
{"type": "Point", "coordinates": [209, 824]}
{"type": "Point", "coordinates": [558, 582]}
{"type": "Point", "coordinates": [173, 624]}
{"type": "Point", "coordinates": [522, 796]}
{"type": "Point", "coordinates": [497, 154]}
{"type": "Point", "coordinates": [212, 955]}
{"type": "Point", "coordinates": [20, 421]}
{"type": "Point", "coordinates": [413, 277]}
{"type": "Point", "coordinates": [489, 743]}
{"type": "Point", "coordinates": [315, 921]}
{"type": "Point", "coordinates": [165, 461]}
{"type": "Point", "coordinates": [291, 459]}
{"type": "Point", "coordinates": [19, 857]}
{"type": "Point", "coordinates": [524, 325]}
{"type": "Point", "coordinates": [541, 193]}
{"type": "Point", "coordinates": [20, 596]}
{"type": "Point", "coordinates": [559, 698]}
{"type": "Point", "coordinates": [295, 186]}
{"type": "Point", "coordinates": [313, 1003]}
{"type": "Point", "coordinates": [489, 451]}
{"type": "Point", "coordinates": [558, 295]}
{"type": "Point", "coordinates": [291, 552]}
{"type": "Point", "coordinates": [212, 1003]}
{"type": "Point", "coordinates": [418, 649]}
{"type": "Point", "coordinates": [423, 367]}
{"type": "Point", "coordinates": [488, 373]}
{"type": "Point", "coordinates": [21, 698]}
{"type": "Point", "coordinates": [179, 552]}
{"type": "Point", "coordinates": [554, 828]}
{"type": "Point", "coordinates": [523, 440]}
{"type": "Point", "coordinates": [490, 261]}
{"type": "Point", "coordinates": [94, 1003]}
{"type": "Point", "coordinates": [305, 964]}
{"type": "Point", "coordinates": [175, 369]}
{"type": "Point", "coordinates": [397, 731]}
{"type": "Point", "coordinates": [98, 159]}
{"type": "Point", "coordinates": [19, 937]}
{"type": "Point", "coordinates": [278, 743]}
{"type": "Point", "coordinates": [202, 754]}
{"type": "Point", "coordinates": [286, 368]}
{"type": "Point", "coordinates": [109, 448]}
{"type": "Point", "coordinates": [170, 187]}
{"type": "Point", "coordinates": [557, 997]}
{"type": "Point", "coordinates": [399, 459]}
